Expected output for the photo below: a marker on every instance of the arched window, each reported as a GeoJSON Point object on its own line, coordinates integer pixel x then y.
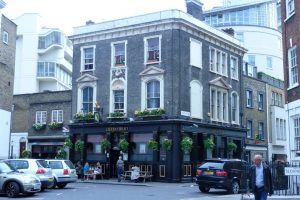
{"type": "Point", "coordinates": [196, 97]}
{"type": "Point", "coordinates": [87, 99]}
{"type": "Point", "coordinates": [153, 94]}
{"type": "Point", "coordinates": [234, 108]}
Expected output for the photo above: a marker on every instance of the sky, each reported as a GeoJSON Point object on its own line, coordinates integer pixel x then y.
{"type": "Point", "coordinates": [66, 14]}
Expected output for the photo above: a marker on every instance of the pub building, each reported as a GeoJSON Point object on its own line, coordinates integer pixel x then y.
{"type": "Point", "coordinates": [153, 78]}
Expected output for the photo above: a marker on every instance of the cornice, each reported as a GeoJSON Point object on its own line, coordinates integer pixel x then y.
{"type": "Point", "coordinates": [157, 27]}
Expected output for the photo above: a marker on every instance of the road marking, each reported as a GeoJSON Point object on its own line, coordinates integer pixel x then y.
{"type": "Point", "coordinates": [58, 194]}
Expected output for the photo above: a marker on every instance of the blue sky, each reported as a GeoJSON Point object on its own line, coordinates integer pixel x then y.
{"type": "Point", "coordinates": [66, 14]}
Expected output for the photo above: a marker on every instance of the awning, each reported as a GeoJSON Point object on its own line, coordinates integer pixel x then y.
{"type": "Point", "coordinates": [256, 148]}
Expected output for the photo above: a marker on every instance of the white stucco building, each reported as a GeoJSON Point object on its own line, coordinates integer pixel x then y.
{"type": "Point", "coordinates": [43, 57]}
{"type": "Point", "coordinates": [256, 23]}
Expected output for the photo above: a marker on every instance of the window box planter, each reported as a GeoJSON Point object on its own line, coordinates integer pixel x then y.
{"type": "Point", "coordinates": [55, 125]}
{"type": "Point", "coordinates": [39, 126]}
{"type": "Point", "coordinates": [117, 117]}
{"type": "Point", "coordinates": [81, 117]}
{"type": "Point", "coordinates": [151, 114]}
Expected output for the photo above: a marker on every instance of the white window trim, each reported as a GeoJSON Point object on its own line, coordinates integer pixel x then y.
{"type": "Point", "coordinates": [289, 12]}
{"type": "Point", "coordinates": [145, 80]}
{"type": "Point", "coordinates": [113, 53]}
{"type": "Point", "coordinates": [247, 105]}
{"type": "Point", "coordinates": [79, 94]}
{"type": "Point", "coordinates": [221, 104]}
{"type": "Point", "coordinates": [111, 106]}
{"type": "Point", "coordinates": [237, 68]}
{"type": "Point", "coordinates": [36, 116]}
{"type": "Point", "coordinates": [201, 55]}
{"type": "Point", "coordinates": [214, 62]}
{"type": "Point", "coordinates": [5, 37]}
{"type": "Point", "coordinates": [82, 58]}
{"type": "Point", "coordinates": [146, 49]}
{"type": "Point", "coordinates": [201, 99]}
{"type": "Point", "coordinates": [237, 117]}
{"type": "Point", "coordinates": [62, 115]}
{"type": "Point", "coordinates": [292, 85]}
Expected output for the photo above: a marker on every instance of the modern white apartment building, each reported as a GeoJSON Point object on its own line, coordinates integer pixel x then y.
{"type": "Point", "coordinates": [257, 24]}
{"type": "Point", "coordinates": [43, 57]}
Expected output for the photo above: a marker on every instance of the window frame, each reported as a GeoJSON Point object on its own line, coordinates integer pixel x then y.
{"type": "Point", "coordinates": [235, 68]}
{"type": "Point", "coordinates": [237, 111]}
{"type": "Point", "coordinates": [113, 54]}
{"type": "Point", "coordinates": [249, 129]}
{"type": "Point", "coordinates": [292, 67]}
{"type": "Point", "coordinates": [39, 114]}
{"type": "Point", "coordinates": [249, 98]}
{"type": "Point", "coordinates": [215, 66]}
{"type": "Point", "coordinates": [260, 101]}
{"type": "Point", "coordinates": [153, 97]}
{"type": "Point", "coordinates": [197, 63]}
{"type": "Point", "coordinates": [217, 104]}
{"type": "Point", "coordinates": [57, 112]}
{"type": "Point", "coordinates": [290, 8]}
{"type": "Point", "coordinates": [119, 103]}
{"type": "Point", "coordinates": [83, 58]}
{"type": "Point", "coordinates": [5, 37]}
{"type": "Point", "coordinates": [146, 50]}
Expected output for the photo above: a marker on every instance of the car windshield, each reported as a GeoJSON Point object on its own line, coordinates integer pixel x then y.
{"type": "Point", "coordinates": [70, 164]}
{"type": "Point", "coordinates": [212, 165]}
{"type": "Point", "coordinates": [5, 168]}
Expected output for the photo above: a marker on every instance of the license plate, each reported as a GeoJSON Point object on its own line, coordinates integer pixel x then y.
{"type": "Point", "coordinates": [209, 173]}
{"type": "Point", "coordinates": [50, 179]}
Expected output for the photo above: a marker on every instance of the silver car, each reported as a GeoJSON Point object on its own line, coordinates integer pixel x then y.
{"type": "Point", "coordinates": [13, 182]}
{"type": "Point", "coordinates": [63, 171]}
{"type": "Point", "coordinates": [38, 167]}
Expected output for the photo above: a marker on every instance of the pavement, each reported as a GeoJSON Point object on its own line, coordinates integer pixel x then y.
{"type": "Point", "coordinates": [219, 197]}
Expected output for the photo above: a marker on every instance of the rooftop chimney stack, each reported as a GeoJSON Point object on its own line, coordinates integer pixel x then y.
{"type": "Point", "coordinates": [194, 8]}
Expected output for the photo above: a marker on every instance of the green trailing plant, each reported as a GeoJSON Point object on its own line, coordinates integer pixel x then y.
{"type": "Point", "coordinates": [123, 144]}
{"type": "Point", "coordinates": [78, 147]}
{"type": "Point", "coordinates": [167, 144]}
{"type": "Point", "coordinates": [152, 144]}
{"type": "Point", "coordinates": [39, 126]}
{"type": "Point", "coordinates": [88, 116]}
{"type": "Point", "coordinates": [26, 154]}
{"type": "Point", "coordinates": [68, 143]}
{"type": "Point", "coordinates": [150, 112]}
{"type": "Point", "coordinates": [61, 153]}
{"type": "Point", "coordinates": [186, 144]}
{"type": "Point", "coordinates": [105, 144]}
{"type": "Point", "coordinates": [55, 125]}
{"type": "Point", "coordinates": [117, 114]}
{"type": "Point", "coordinates": [231, 146]}
{"type": "Point", "coordinates": [209, 144]}
{"type": "Point", "coordinates": [79, 115]}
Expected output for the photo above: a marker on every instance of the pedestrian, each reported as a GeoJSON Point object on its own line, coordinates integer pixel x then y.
{"type": "Point", "coordinates": [79, 170]}
{"type": "Point", "coordinates": [135, 173]}
{"type": "Point", "coordinates": [120, 168]}
{"type": "Point", "coordinates": [86, 170]}
{"type": "Point", "coordinates": [260, 179]}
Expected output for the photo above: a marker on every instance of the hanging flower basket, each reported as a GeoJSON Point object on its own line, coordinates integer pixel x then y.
{"type": "Point", "coordinates": [231, 146]}
{"type": "Point", "coordinates": [105, 144]}
{"type": "Point", "coordinates": [167, 144]}
{"type": "Point", "coordinates": [68, 143]}
{"type": "Point", "coordinates": [186, 144]}
{"type": "Point", "coordinates": [123, 144]}
{"type": "Point", "coordinates": [61, 153]}
{"type": "Point", "coordinates": [152, 144]}
{"type": "Point", "coordinates": [209, 144]}
{"type": "Point", "coordinates": [78, 147]}
{"type": "Point", "coordinates": [26, 154]}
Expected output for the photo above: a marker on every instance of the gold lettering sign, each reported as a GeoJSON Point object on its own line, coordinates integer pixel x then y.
{"type": "Point", "coordinates": [116, 129]}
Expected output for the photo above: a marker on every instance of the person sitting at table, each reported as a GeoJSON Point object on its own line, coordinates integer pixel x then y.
{"type": "Point", "coordinates": [86, 169]}
{"type": "Point", "coordinates": [135, 173]}
{"type": "Point", "coordinates": [97, 170]}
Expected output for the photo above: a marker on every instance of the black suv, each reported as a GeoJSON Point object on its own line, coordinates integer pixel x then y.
{"type": "Point", "coordinates": [229, 174]}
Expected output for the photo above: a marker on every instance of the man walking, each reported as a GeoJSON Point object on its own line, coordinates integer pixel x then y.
{"type": "Point", "coordinates": [260, 180]}
{"type": "Point", "coordinates": [120, 168]}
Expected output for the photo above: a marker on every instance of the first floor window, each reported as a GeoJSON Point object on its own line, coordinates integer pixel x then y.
{"type": "Point", "coordinates": [119, 101]}
{"type": "Point", "coordinates": [219, 104]}
{"type": "Point", "coordinates": [292, 62]}
{"type": "Point", "coordinates": [234, 67]}
{"type": "Point", "coordinates": [297, 143]}
{"type": "Point", "coordinates": [152, 49]}
{"type": "Point", "coordinates": [87, 99]}
{"type": "Point", "coordinates": [57, 116]}
{"type": "Point", "coordinates": [41, 117]}
{"type": "Point", "coordinates": [88, 58]}
{"type": "Point", "coordinates": [260, 101]}
{"type": "Point", "coordinates": [297, 127]}
{"type": "Point", "coordinates": [234, 108]}
{"type": "Point", "coordinates": [261, 133]}
{"type": "Point", "coordinates": [153, 94]}
{"type": "Point", "coordinates": [119, 54]}
{"type": "Point", "coordinates": [249, 98]}
{"type": "Point", "coordinates": [250, 129]}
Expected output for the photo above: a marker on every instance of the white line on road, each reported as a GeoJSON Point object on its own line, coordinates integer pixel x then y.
{"type": "Point", "coordinates": [58, 194]}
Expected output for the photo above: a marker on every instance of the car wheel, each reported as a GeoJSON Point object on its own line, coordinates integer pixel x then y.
{"type": "Point", "coordinates": [204, 189]}
{"type": "Point", "coordinates": [12, 189]}
{"type": "Point", "coordinates": [54, 184]}
{"type": "Point", "coordinates": [235, 187]}
{"type": "Point", "coordinates": [61, 185]}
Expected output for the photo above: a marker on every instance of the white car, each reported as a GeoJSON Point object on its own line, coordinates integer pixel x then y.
{"type": "Point", "coordinates": [13, 182]}
{"type": "Point", "coordinates": [63, 171]}
{"type": "Point", "coordinates": [38, 167]}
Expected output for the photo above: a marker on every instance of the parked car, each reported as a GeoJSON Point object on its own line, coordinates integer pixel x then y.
{"type": "Point", "coordinates": [38, 167]}
{"type": "Point", "coordinates": [63, 171]}
{"type": "Point", "coordinates": [13, 182]}
{"type": "Point", "coordinates": [228, 174]}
